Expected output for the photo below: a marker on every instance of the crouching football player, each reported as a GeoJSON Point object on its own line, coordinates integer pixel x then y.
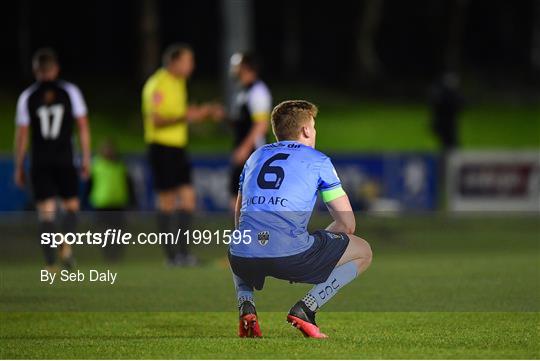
{"type": "Point", "coordinates": [277, 191]}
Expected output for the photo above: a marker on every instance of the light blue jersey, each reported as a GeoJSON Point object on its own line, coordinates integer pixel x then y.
{"type": "Point", "coordinates": [279, 186]}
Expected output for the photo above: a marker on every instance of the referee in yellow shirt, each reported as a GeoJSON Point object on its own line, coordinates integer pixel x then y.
{"type": "Point", "coordinates": [166, 116]}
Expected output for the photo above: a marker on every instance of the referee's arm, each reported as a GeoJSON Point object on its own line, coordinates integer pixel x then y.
{"type": "Point", "coordinates": [161, 122]}
{"type": "Point", "coordinates": [193, 113]}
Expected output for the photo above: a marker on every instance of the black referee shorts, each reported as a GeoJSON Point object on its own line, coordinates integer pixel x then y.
{"type": "Point", "coordinates": [170, 166]}
{"type": "Point", "coordinates": [53, 180]}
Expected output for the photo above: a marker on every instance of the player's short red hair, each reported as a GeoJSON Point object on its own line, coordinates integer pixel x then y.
{"type": "Point", "coordinates": [289, 116]}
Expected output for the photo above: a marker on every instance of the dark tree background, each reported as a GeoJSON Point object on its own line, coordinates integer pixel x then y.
{"type": "Point", "coordinates": [337, 43]}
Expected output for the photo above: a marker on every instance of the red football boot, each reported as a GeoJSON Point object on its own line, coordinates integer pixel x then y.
{"type": "Point", "coordinates": [248, 323]}
{"type": "Point", "coordinates": [301, 317]}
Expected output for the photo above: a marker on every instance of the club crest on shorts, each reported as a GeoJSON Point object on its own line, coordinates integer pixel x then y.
{"type": "Point", "coordinates": [263, 237]}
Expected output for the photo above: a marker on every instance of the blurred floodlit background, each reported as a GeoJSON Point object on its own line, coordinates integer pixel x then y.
{"type": "Point", "coordinates": [374, 67]}
{"type": "Point", "coordinates": [426, 107]}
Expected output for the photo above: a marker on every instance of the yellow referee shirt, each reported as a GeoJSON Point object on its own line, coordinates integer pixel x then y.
{"type": "Point", "coordinates": [166, 96]}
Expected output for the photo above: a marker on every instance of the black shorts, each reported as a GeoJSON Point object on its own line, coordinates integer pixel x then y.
{"type": "Point", "coordinates": [236, 171]}
{"type": "Point", "coordinates": [170, 166]}
{"type": "Point", "coordinates": [311, 266]}
{"type": "Point", "coordinates": [51, 180]}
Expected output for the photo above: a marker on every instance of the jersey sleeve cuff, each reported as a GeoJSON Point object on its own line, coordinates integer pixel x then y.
{"type": "Point", "coordinates": [331, 194]}
{"type": "Point", "coordinates": [260, 116]}
{"type": "Point", "coordinates": [22, 122]}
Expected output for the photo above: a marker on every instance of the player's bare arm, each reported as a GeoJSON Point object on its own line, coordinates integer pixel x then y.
{"type": "Point", "coordinates": [84, 139]}
{"type": "Point", "coordinates": [341, 211]}
{"type": "Point", "coordinates": [237, 208]}
{"type": "Point", "coordinates": [258, 131]}
{"type": "Point", "coordinates": [21, 145]}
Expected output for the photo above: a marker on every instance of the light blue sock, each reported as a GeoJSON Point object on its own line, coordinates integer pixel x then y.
{"type": "Point", "coordinates": [323, 292]}
{"type": "Point", "coordinates": [244, 292]}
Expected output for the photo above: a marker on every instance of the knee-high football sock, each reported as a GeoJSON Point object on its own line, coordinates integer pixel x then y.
{"type": "Point", "coordinates": [69, 222]}
{"type": "Point", "coordinates": [244, 292]}
{"type": "Point", "coordinates": [69, 225]}
{"type": "Point", "coordinates": [323, 292]}
{"type": "Point", "coordinates": [164, 221]}
{"type": "Point", "coordinates": [47, 226]}
{"type": "Point", "coordinates": [184, 220]}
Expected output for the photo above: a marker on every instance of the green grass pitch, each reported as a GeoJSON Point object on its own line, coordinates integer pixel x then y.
{"type": "Point", "coordinates": [353, 335]}
{"type": "Point", "coordinates": [439, 287]}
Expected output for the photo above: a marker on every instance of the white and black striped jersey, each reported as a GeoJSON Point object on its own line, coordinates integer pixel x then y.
{"type": "Point", "coordinates": [250, 102]}
{"type": "Point", "coordinates": [51, 109]}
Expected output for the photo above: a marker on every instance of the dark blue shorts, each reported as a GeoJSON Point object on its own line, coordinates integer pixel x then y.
{"type": "Point", "coordinates": [311, 266]}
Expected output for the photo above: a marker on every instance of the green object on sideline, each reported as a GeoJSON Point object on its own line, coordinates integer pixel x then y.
{"type": "Point", "coordinates": [109, 184]}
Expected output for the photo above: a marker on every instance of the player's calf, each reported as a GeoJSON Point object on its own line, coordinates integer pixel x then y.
{"type": "Point", "coordinates": [46, 215]}
{"type": "Point", "coordinates": [69, 225]}
{"type": "Point", "coordinates": [47, 226]}
{"type": "Point", "coordinates": [355, 260]}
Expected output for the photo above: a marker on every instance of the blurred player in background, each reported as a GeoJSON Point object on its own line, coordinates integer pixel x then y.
{"type": "Point", "coordinates": [250, 115]}
{"type": "Point", "coordinates": [446, 103]}
{"type": "Point", "coordinates": [278, 190]}
{"type": "Point", "coordinates": [110, 193]}
{"type": "Point", "coordinates": [166, 114]}
{"type": "Point", "coordinates": [109, 186]}
{"type": "Point", "coordinates": [46, 114]}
